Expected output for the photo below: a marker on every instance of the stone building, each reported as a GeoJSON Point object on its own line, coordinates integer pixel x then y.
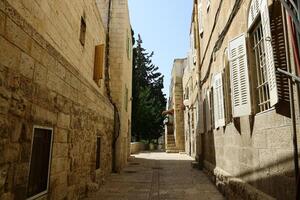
{"type": "Point", "coordinates": [175, 141]}
{"type": "Point", "coordinates": [246, 141]}
{"type": "Point", "coordinates": [191, 96]}
{"type": "Point", "coordinates": [65, 90]}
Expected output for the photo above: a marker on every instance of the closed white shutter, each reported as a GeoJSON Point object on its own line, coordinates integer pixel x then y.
{"type": "Point", "coordinates": [200, 17]}
{"type": "Point", "coordinates": [218, 101]}
{"type": "Point", "coordinates": [271, 73]}
{"type": "Point", "coordinates": [240, 90]}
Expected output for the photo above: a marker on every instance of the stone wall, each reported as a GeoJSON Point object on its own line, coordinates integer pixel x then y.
{"type": "Point", "coordinates": [43, 82]}
{"type": "Point", "coordinates": [120, 64]}
{"type": "Point", "coordinates": [257, 150]}
{"type": "Point", "coordinates": [177, 74]}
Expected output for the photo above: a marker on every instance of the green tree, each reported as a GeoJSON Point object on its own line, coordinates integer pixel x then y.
{"type": "Point", "coordinates": [148, 98]}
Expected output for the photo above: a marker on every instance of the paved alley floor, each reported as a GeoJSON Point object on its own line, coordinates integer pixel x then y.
{"type": "Point", "coordinates": [158, 176]}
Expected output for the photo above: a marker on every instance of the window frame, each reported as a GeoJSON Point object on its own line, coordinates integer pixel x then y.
{"type": "Point", "coordinates": [262, 100]}
{"type": "Point", "coordinates": [49, 165]}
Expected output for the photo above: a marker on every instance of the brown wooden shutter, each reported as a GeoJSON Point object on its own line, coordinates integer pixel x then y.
{"type": "Point", "coordinates": [99, 62]}
{"type": "Point", "coordinates": [279, 51]}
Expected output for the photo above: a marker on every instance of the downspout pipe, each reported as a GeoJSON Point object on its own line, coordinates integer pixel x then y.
{"type": "Point", "coordinates": [116, 132]}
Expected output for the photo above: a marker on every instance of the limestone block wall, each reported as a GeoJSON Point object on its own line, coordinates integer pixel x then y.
{"type": "Point", "coordinates": [59, 23]}
{"type": "Point", "coordinates": [120, 64]}
{"type": "Point", "coordinates": [46, 80]}
{"type": "Point", "coordinates": [256, 149]}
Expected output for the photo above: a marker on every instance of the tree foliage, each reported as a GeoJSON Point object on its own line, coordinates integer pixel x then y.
{"type": "Point", "coordinates": [148, 98]}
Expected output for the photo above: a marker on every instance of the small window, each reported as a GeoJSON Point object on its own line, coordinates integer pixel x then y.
{"type": "Point", "coordinates": [200, 18]}
{"type": "Point", "coordinates": [207, 4]}
{"type": "Point", "coordinates": [38, 181]}
{"type": "Point", "coordinates": [99, 62]}
{"type": "Point", "coordinates": [98, 152]}
{"type": "Point", "coordinates": [126, 99]}
{"type": "Point", "coordinates": [82, 31]}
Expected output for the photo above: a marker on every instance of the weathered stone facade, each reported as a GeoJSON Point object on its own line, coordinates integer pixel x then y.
{"type": "Point", "coordinates": [250, 157]}
{"type": "Point", "coordinates": [120, 66]}
{"type": "Point", "coordinates": [175, 140]}
{"type": "Point", "coordinates": [46, 80]}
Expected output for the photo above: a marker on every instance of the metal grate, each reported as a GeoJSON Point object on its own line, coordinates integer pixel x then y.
{"type": "Point", "coordinates": [260, 56]}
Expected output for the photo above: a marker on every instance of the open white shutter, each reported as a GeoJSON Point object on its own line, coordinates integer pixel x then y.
{"type": "Point", "coordinates": [253, 11]}
{"type": "Point", "coordinates": [201, 117]}
{"type": "Point", "coordinates": [241, 103]}
{"type": "Point", "coordinates": [207, 111]}
{"type": "Point", "coordinates": [207, 4]}
{"type": "Point", "coordinates": [221, 101]}
{"type": "Point", "coordinates": [218, 101]}
{"type": "Point", "coordinates": [200, 16]}
{"type": "Point", "coordinates": [271, 73]}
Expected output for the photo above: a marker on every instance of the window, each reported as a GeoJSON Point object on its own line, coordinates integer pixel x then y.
{"type": "Point", "coordinates": [200, 17]}
{"type": "Point", "coordinates": [126, 99]}
{"type": "Point", "coordinates": [209, 109]}
{"type": "Point", "coordinates": [38, 180]}
{"type": "Point", "coordinates": [82, 31]}
{"type": "Point", "coordinates": [267, 40]}
{"type": "Point", "coordinates": [98, 152]}
{"type": "Point", "coordinates": [261, 71]}
{"type": "Point", "coordinates": [207, 4]}
{"type": "Point", "coordinates": [226, 87]}
{"type": "Point", "coordinates": [99, 62]}
{"type": "Point", "coordinates": [218, 100]}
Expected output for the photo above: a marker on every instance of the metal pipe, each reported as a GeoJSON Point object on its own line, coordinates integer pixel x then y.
{"type": "Point", "coordinates": [292, 76]}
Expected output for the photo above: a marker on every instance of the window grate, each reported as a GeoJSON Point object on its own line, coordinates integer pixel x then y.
{"type": "Point", "coordinates": [260, 57]}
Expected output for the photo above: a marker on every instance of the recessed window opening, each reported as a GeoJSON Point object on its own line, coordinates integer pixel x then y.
{"type": "Point", "coordinates": [40, 161]}
{"type": "Point", "coordinates": [98, 152]}
{"type": "Point", "coordinates": [82, 31]}
{"type": "Point", "coordinates": [261, 71]}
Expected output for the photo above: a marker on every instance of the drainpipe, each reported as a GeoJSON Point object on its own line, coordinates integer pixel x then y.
{"type": "Point", "coordinates": [116, 133]}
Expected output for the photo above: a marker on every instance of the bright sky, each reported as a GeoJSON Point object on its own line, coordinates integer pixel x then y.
{"type": "Point", "coordinates": [164, 27]}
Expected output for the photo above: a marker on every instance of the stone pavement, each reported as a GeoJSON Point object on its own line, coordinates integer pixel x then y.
{"type": "Point", "coordinates": [158, 176]}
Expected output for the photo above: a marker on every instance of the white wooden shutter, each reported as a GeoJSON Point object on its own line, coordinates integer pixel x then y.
{"type": "Point", "coordinates": [207, 4]}
{"type": "Point", "coordinates": [253, 11]}
{"type": "Point", "coordinates": [218, 101]}
{"type": "Point", "coordinates": [207, 111]}
{"type": "Point", "coordinates": [240, 90]}
{"type": "Point", "coordinates": [271, 73]}
{"type": "Point", "coordinates": [221, 110]}
{"type": "Point", "coordinates": [201, 117]}
{"type": "Point", "coordinates": [200, 16]}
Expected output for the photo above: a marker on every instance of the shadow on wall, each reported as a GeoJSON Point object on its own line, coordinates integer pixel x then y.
{"type": "Point", "coordinates": [274, 177]}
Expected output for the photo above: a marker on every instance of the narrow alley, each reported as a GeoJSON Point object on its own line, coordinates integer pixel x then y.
{"type": "Point", "coordinates": [158, 176]}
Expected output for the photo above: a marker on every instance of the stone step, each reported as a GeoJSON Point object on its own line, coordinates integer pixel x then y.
{"type": "Point", "coordinates": [172, 151]}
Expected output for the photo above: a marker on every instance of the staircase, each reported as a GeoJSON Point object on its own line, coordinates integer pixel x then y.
{"type": "Point", "coordinates": [171, 145]}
